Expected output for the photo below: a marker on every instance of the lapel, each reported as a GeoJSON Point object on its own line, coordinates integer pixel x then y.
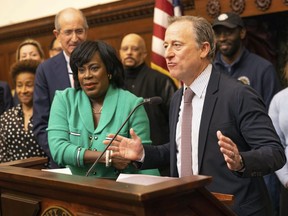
{"type": "Point", "coordinates": [175, 108]}
{"type": "Point", "coordinates": [109, 108]}
{"type": "Point", "coordinates": [60, 70]}
{"type": "Point", "coordinates": [207, 113]}
{"type": "Point", "coordinates": [85, 111]}
{"type": "Point", "coordinates": [173, 119]}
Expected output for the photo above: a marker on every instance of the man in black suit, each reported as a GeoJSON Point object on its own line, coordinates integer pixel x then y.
{"type": "Point", "coordinates": [233, 138]}
{"type": "Point", "coordinates": [145, 82]}
{"type": "Point", "coordinates": [55, 73]}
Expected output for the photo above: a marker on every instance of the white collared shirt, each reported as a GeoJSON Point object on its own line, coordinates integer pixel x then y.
{"type": "Point", "coordinates": [70, 73]}
{"type": "Point", "coordinates": [199, 87]}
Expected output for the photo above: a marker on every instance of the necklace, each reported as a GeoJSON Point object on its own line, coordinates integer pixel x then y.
{"type": "Point", "coordinates": [97, 112]}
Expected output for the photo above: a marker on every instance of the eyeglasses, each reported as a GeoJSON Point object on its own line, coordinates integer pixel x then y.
{"type": "Point", "coordinates": [58, 49]}
{"type": "Point", "coordinates": [69, 32]}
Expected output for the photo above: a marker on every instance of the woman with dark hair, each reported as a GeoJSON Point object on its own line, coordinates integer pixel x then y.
{"type": "Point", "coordinates": [82, 117]}
{"type": "Point", "coordinates": [17, 140]}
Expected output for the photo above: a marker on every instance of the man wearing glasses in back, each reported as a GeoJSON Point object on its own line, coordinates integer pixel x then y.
{"type": "Point", "coordinates": [55, 73]}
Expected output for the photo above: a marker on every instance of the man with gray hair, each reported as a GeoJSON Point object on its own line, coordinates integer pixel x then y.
{"type": "Point", "coordinates": [55, 73]}
{"type": "Point", "coordinates": [221, 129]}
{"type": "Point", "coordinates": [145, 82]}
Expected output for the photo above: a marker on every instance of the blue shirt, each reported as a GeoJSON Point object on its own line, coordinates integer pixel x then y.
{"type": "Point", "coordinates": [253, 70]}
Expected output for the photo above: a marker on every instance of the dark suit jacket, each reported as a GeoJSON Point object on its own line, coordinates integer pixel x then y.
{"type": "Point", "coordinates": [6, 100]}
{"type": "Point", "coordinates": [237, 111]}
{"type": "Point", "coordinates": [51, 75]}
{"type": "Point", "coordinates": [145, 82]}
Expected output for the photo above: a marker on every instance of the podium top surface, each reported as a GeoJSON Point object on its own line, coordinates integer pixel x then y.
{"type": "Point", "coordinates": [37, 179]}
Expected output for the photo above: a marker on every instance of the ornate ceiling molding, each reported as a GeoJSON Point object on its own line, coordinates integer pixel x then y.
{"type": "Point", "coordinates": [120, 11]}
{"type": "Point", "coordinates": [263, 5]}
{"type": "Point", "coordinates": [237, 6]}
{"type": "Point", "coordinates": [213, 8]}
{"type": "Point", "coordinates": [102, 14]}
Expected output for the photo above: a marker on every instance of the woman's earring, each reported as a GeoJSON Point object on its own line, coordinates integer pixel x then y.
{"type": "Point", "coordinates": [109, 76]}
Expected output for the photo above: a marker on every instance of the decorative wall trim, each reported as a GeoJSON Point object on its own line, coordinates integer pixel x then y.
{"type": "Point", "coordinates": [213, 8]}
{"type": "Point", "coordinates": [237, 6]}
{"type": "Point", "coordinates": [263, 5]}
{"type": "Point", "coordinates": [120, 11]}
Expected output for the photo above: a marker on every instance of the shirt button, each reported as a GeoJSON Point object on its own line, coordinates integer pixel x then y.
{"type": "Point", "coordinates": [95, 138]}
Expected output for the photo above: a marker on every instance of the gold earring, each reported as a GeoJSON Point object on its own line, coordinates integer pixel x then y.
{"type": "Point", "coordinates": [109, 76]}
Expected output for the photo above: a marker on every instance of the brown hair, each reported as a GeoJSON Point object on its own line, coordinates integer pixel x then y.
{"type": "Point", "coordinates": [32, 42]}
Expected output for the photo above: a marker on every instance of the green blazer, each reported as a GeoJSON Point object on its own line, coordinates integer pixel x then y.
{"type": "Point", "coordinates": [71, 126]}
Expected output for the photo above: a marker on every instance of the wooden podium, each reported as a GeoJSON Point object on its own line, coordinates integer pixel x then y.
{"type": "Point", "coordinates": [32, 192]}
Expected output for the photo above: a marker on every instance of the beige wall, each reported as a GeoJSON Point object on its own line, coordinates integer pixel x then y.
{"type": "Point", "coordinates": [16, 11]}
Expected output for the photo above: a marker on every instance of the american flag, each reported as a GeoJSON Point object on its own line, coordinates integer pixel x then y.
{"type": "Point", "coordinates": [163, 9]}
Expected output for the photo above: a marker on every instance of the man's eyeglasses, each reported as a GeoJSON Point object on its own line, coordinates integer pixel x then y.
{"type": "Point", "coordinates": [69, 32]}
{"type": "Point", "coordinates": [58, 49]}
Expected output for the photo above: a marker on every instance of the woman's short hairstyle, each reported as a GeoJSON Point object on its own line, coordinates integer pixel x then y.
{"type": "Point", "coordinates": [85, 51]}
{"type": "Point", "coordinates": [32, 42]}
{"type": "Point", "coordinates": [25, 66]}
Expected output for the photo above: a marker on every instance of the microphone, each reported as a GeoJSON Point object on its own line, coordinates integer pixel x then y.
{"type": "Point", "coordinates": [152, 100]}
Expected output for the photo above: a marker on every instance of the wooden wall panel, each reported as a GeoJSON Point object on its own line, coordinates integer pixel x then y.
{"type": "Point", "coordinates": [109, 22]}
{"type": "Point", "coordinates": [249, 8]}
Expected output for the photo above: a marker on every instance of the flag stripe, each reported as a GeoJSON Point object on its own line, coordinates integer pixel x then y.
{"type": "Point", "coordinates": [164, 5]}
{"type": "Point", "coordinates": [160, 60]}
{"type": "Point", "coordinates": [157, 46]}
{"type": "Point", "coordinates": [159, 31]}
{"type": "Point", "coordinates": [163, 9]}
{"type": "Point", "coordinates": [161, 17]}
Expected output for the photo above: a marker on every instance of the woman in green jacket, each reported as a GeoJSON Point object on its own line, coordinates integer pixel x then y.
{"type": "Point", "coordinates": [82, 117]}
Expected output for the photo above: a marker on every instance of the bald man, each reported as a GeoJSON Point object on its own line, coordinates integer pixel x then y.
{"type": "Point", "coordinates": [145, 82]}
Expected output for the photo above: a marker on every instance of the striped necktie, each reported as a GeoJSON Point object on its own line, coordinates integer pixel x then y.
{"type": "Point", "coordinates": [186, 139]}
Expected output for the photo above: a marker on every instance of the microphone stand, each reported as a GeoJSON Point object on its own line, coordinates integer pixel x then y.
{"type": "Point", "coordinates": [96, 161]}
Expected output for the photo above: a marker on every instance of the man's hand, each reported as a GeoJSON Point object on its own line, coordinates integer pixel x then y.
{"type": "Point", "coordinates": [120, 163]}
{"type": "Point", "coordinates": [230, 152]}
{"type": "Point", "coordinates": [130, 149]}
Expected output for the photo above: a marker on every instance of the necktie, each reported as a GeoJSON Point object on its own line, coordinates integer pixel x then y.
{"type": "Point", "coordinates": [186, 139]}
